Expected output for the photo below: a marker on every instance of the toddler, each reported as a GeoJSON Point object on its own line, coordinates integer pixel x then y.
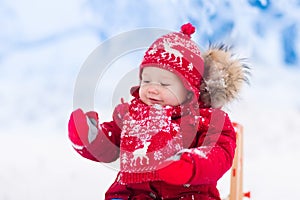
{"type": "Point", "coordinates": [172, 138]}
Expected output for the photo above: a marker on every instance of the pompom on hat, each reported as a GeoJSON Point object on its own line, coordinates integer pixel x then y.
{"type": "Point", "coordinates": [177, 53]}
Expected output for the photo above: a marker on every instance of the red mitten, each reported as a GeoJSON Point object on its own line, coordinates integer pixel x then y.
{"type": "Point", "coordinates": [177, 172]}
{"type": "Point", "coordinates": [82, 127]}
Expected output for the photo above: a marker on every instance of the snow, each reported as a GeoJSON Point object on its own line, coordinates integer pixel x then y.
{"type": "Point", "coordinates": [44, 44]}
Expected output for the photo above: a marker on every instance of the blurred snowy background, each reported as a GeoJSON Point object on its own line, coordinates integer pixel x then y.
{"type": "Point", "coordinates": [44, 44]}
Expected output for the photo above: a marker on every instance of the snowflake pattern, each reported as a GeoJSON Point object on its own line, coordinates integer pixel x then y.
{"type": "Point", "coordinates": [124, 159]}
{"type": "Point", "coordinates": [158, 155]}
{"type": "Point", "coordinates": [190, 66]}
{"type": "Point", "coordinates": [178, 147]}
{"type": "Point", "coordinates": [152, 51]}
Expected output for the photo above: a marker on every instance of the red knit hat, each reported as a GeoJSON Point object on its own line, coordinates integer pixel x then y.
{"type": "Point", "coordinates": [177, 53]}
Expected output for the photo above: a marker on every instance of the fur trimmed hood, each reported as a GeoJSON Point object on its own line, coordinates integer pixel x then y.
{"type": "Point", "coordinates": [224, 75]}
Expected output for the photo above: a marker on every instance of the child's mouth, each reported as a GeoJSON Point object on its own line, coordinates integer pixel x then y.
{"type": "Point", "coordinates": [155, 101]}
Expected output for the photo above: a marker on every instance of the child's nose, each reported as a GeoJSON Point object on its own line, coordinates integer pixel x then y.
{"type": "Point", "coordinates": [153, 89]}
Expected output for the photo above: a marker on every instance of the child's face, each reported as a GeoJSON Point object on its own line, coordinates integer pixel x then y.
{"type": "Point", "coordinates": [159, 86]}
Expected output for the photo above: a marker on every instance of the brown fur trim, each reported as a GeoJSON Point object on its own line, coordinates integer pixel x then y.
{"type": "Point", "coordinates": [224, 75]}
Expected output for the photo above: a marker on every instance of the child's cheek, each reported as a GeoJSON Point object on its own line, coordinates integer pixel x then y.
{"type": "Point", "coordinates": [141, 91]}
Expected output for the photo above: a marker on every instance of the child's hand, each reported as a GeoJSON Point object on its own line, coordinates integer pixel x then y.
{"type": "Point", "coordinates": [82, 127]}
{"type": "Point", "coordinates": [177, 172]}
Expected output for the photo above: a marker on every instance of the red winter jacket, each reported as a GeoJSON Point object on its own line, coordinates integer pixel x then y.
{"type": "Point", "coordinates": [208, 137]}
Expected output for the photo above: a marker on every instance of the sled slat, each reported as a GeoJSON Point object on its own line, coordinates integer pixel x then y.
{"type": "Point", "coordinates": [236, 185]}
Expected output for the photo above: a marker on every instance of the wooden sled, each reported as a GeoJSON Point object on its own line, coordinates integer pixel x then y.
{"type": "Point", "coordinates": [236, 180]}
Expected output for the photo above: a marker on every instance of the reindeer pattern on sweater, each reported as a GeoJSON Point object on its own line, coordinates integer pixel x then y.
{"type": "Point", "coordinates": [149, 136]}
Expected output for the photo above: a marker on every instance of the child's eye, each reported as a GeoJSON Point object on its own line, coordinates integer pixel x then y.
{"type": "Point", "coordinates": [164, 84]}
{"type": "Point", "coordinates": [145, 81]}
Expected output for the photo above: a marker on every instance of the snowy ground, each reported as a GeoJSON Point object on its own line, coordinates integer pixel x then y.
{"type": "Point", "coordinates": [43, 48]}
